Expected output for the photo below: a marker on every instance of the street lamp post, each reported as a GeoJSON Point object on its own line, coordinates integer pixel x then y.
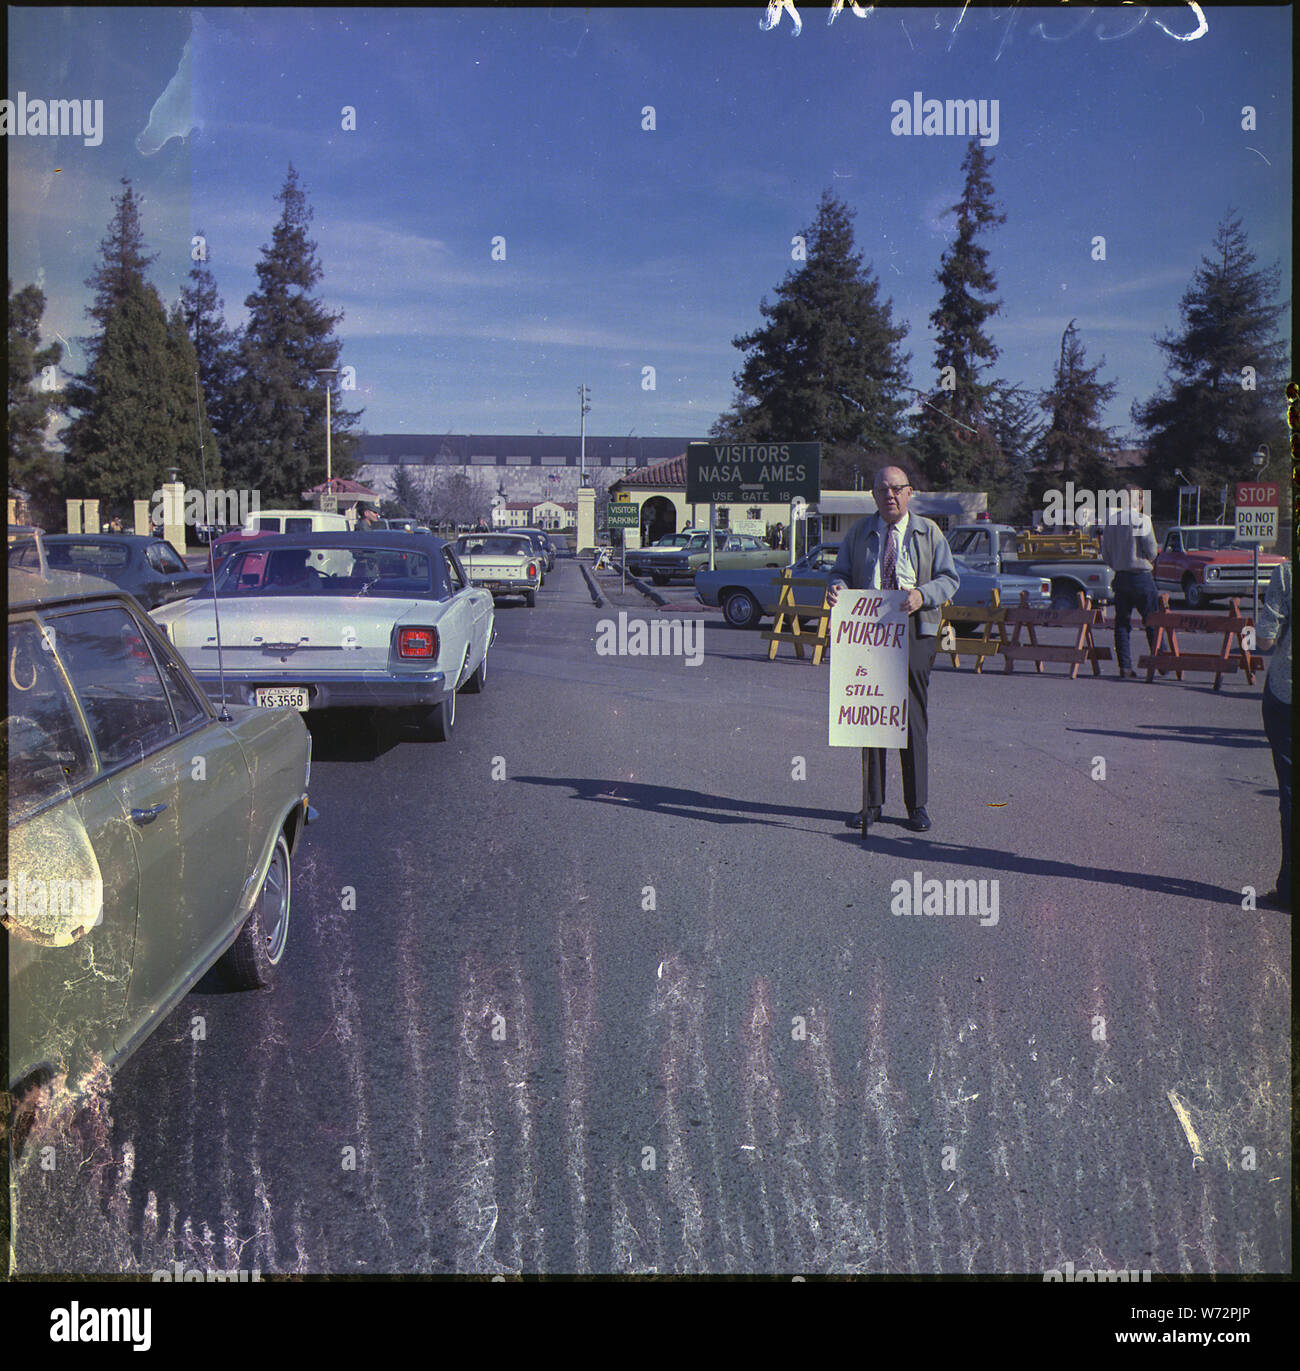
{"type": "Point", "coordinates": [584, 408]}
{"type": "Point", "coordinates": [329, 372]}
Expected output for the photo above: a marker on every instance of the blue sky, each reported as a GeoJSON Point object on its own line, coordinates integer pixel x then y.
{"type": "Point", "coordinates": [629, 248]}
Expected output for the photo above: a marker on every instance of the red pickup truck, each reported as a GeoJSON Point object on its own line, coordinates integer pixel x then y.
{"type": "Point", "coordinates": [1203, 562]}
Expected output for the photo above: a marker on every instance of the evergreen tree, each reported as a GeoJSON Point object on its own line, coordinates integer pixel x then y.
{"type": "Point", "coordinates": [215, 344]}
{"type": "Point", "coordinates": [1224, 375]}
{"type": "Point", "coordinates": [953, 432]}
{"type": "Point", "coordinates": [122, 441]}
{"type": "Point", "coordinates": [826, 366]}
{"type": "Point", "coordinates": [189, 410]}
{"type": "Point", "coordinates": [1017, 425]}
{"type": "Point", "coordinates": [276, 438]}
{"type": "Point", "coordinates": [33, 468]}
{"type": "Point", "coordinates": [1076, 446]}
{"type": "Point", "coordinates": [123, 261]}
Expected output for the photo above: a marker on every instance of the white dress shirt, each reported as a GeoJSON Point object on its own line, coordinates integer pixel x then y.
{"type": "Point", "coordinates": [904, 571]}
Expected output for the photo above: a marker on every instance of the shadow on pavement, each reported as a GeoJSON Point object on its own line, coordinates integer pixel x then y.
{"type": "Point", "coordinates": [695, 804]}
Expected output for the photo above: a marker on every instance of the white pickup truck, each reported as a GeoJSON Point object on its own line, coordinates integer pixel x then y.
{"type": "Point", "coordinates": [504, 563]}
{"type": "Point", "coordinates": [996, 547]}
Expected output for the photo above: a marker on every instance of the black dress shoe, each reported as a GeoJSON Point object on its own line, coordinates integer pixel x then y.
{"type": "Point", "coordinates": [855, 820]}
{"type": "Point", "coordinates": [918, 820]}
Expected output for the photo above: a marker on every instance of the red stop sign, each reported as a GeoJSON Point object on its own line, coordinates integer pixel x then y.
{"type": "Point", "coordinates": [1257, 493]}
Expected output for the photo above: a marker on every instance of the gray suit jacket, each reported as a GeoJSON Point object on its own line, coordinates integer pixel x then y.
{"type": "Point", "coordinates": [936, 575]}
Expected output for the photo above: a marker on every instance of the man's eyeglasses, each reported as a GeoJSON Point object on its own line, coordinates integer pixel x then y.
{"type": "Point", "coordinates": [897, 490]}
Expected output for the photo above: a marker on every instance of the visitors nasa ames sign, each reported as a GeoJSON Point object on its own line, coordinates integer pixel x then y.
{"type": "Point", "coordinates": [753, 473]}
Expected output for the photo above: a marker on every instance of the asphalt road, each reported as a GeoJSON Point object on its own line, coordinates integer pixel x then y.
{"type": "Point", "coordinates": [603, 984]}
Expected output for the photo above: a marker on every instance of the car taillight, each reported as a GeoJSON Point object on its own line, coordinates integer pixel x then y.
{"type": "Point", "coordinates": [417, 642]}
{"type": "Point", "coordinates": [1045, 587]}
{"type": "Point", "coordinates": [532, 568]}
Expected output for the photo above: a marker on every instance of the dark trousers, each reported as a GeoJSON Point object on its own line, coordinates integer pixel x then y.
{"type": "Point", "coordinates": [1133, 590]}
{"type": "Point", "coordinates": [1277, 728]}
{"type": "Point", "coordinates": [914, 759]}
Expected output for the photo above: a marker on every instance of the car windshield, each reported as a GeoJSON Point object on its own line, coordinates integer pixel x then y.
{"type": "Point", "coordinates": [1208, 539]}
{"type": "Point", "coordinates": [372, 571]}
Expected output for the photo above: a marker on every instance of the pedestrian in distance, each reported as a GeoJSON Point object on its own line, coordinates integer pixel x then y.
{"type": "Point", "coordinates": [895, 550]}
{"type": "Point", "coordinates": [1128, 547]}
{"type": "Point", "coordinates": [1275, 633]}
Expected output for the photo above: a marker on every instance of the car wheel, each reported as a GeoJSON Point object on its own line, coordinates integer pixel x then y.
{"type": "Point", "coordinates": [475, 684]}
{"type": "Point", "coordinates": [441, 719]}
{"type": "Point", "coordinates": [740, 609]}
{"type": "Point", "coordinates": [530, 599]}
{"type": "Point", "coordinates": [1193, 594]}
{"type": "Point", "coordinates": [1065, 596]}
{"type": "Point", "coordinates": [251, 959]}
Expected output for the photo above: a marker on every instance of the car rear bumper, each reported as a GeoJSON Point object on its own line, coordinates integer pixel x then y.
{"type": "Point", "coordinates": [347, 690]}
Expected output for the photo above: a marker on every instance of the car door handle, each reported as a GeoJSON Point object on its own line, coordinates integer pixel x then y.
{"type": "Point", "coordinates": [147, 816]}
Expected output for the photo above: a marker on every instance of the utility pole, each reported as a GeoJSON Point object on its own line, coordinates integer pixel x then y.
{"type": "Point", "coordinates": [584, 408]}
{"type": "Point", "coordinates": [329, 373]}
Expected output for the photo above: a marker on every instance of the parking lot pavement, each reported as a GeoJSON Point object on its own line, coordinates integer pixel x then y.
{"type": "Point", "coordinates": [605, 985]}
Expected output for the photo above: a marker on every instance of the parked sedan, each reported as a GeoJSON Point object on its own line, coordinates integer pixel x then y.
{"type": "Point", "coordinates": [730, 551]}
{"type": "Point", "coordinates": [129, 875]}
{"type": "Point", "coordinates": [745, 595]}
{"type": "Point", "coordinates": [148, 568]}
{"type": "Point", "coordinates": [504, 563]}
{"type": "Point", "coordinates": [335, 620]}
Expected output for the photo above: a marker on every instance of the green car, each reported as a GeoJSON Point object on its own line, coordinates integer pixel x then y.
{"type": "Point", "coordinates": [148, 838]}
{"type": "Point", "coordinates": [731, 552]}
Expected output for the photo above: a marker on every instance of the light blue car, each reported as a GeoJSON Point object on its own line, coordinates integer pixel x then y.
{"type": "Point", "coordinates": [746, 596]}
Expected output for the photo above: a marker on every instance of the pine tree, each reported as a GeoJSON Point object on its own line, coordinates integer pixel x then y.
{"type": "Point", "coordinates": [124, 439]}
{"type": "Point", "coordinates": [33, 467]}
{"type": "Point", "coordinates": [1224, 376]}
{"type": "Point", "coordinates": [1076, 446]}
{"type": "Point", "coordinates": [276, 438]}
{"type": "Point", "coordinates": [188, 409]}
{"type": "Point", "coordinates": [826, 366]}
{"type": "Point", "coordinates": [123, 261]}
{"type": "Point", "coordinates": [216, 345]}
{"type": "Point", "coordinates": [1017, 425]}
{"type": "Point", "coordinates": [953, 431]}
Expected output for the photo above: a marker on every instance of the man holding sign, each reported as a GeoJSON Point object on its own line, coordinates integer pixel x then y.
{"type": "Point", "coordinates": [906, 558]}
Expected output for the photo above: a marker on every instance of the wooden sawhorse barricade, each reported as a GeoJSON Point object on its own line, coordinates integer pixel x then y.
{"type": "Point", "coordinates": [1223, 663]}
{"type": "Point", "coordinates": [992, 617]}
{"type": "Point", "coordinates": [787, 628]}
{"type": "Point", "coordinates": [1084, 649]}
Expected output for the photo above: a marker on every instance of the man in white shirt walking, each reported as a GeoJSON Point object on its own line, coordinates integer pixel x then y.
{"type": "Point", "coordinates": [1128, 547]}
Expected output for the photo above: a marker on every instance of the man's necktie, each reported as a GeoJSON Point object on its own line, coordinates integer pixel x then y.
{"type": "Point", "coordinates": [889, 568]}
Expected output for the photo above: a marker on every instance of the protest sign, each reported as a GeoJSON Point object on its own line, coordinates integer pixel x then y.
{"type": "Point", "coordinates": [868, 676]}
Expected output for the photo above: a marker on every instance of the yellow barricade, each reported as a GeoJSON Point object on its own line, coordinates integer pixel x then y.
{"type": "Point", "coordinates": [787, 609]}
{"type": "Point", "coordinates": [991, 617]}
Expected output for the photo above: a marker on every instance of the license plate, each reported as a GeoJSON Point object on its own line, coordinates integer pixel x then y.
{"type": "Point", "coordinates": [281, 697]}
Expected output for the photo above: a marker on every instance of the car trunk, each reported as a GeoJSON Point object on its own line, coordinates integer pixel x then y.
{"type": "Point", "coordinates": [325, 634]}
